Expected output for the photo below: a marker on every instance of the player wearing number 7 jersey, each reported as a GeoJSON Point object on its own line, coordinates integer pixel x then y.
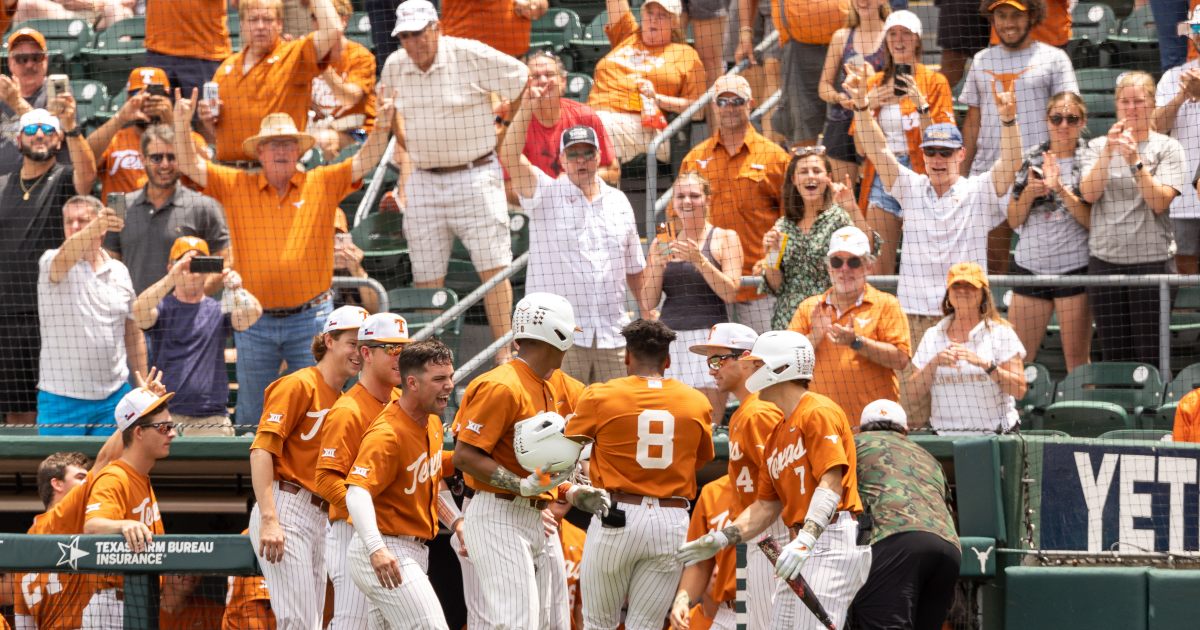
{"type": "Point", "coordinates": [651, 436]}
{"type": "Point", "coordinates": [809, 479]}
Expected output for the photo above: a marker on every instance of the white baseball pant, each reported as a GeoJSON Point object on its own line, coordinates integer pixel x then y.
{"type": "Point", "coordinates": [836, 570]}
{"type": "Point", "coordinates": [555, 564]}
{"type": "Point", "coordinates": [297, 581]}
{"type": "Point", "coordinates": [760, 577]}
{"type": "Point", "coordinates": [413, 604]}
{"type": "Point", "coordinates": [472, 592]}
{"type": "Point", "coordinates": [634, 564]}
{"type": "Point", "coordinates": [351, 608]}
{"type": "Point", "coordinates": [506, 541]}
{"type": "Point", "coordinates": [103, 611]}
{"type": "Point", "coordinates": [726, 619]}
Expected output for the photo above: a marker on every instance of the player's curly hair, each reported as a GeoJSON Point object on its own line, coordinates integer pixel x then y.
{"type": "Point", "coordinates": [54, 467]}
{"type": "Point", "coordinates": [1035, 8]}
{"type": "Point", "coordinates": [648, 341]}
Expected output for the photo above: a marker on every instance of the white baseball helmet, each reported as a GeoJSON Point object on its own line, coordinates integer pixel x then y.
{"type": "Point", "coordinates": [787, 356]}
{"type": "Point", "coordinates": [546, 317]}
{"type": "Point", "coordinates": [540, 444]}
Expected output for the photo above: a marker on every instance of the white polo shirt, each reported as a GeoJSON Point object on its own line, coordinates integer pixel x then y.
{"type": "Point", "coordinates": [82, 323]}
{"type": "Point", "coordinates": [582, 250]}
{"type": "Point", "coordinates": [1187, 131]}
{"type": "Point", "coordinates": [941, 231]}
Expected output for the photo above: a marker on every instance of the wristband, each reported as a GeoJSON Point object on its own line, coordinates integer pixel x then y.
{"type": "Point", "coordinates": [822, 506]}
{"type": "Point", "coordinates": [991, 368]}
{"type": "Point", "coordinates": [857, 344]}
{"type": "Point", "coordinates": [74, 133]}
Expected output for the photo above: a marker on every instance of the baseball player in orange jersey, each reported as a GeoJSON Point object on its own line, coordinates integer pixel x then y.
{"type": "Point", "coordinates": [808, 477]}
{"type": "Point", "coordinates": [394, 493]}
{"type": "Point", "coordinates": [380, 339]}
{"type": "Point", "coordinates": [248, 603]}
{"type": "Point", "coordinates": [288, 522]}
{"type": "Point", "coordinates": [749, 428]}
{"type": "Point", "coordinates": [504, 530]}
{"type": "Point", "coordinates": [711, 582]}
{"type": "Point", "coordinates": [651, 436]}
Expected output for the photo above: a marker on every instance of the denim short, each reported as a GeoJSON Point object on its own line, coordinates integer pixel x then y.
{"type": "Point", "coordinates": [879, 197]}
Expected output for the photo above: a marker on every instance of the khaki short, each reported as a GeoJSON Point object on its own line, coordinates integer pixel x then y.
{"type": "Point", "coordinates": [202, 426]}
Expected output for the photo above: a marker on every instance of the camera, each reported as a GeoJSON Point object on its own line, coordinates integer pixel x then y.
{"type": "Point", "coordinates": [57, 84]}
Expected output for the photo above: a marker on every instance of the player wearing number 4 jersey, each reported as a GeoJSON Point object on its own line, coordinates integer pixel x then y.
{"type": "Point", "coordinates": [651, 436]}
{"type": "Point", "coordinates": [809, 479]}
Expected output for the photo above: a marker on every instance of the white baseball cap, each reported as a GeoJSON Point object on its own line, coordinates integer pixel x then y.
{"type": "Point", "coordinates": [727, 336]}
{"type": "Point", "coordinates": [907, 19]}
{"type": "Point", "coordinates": [1195, 16]}
{"type": "Point", "coordinates": [39, 117]}
{"type": "Point", "coordinates": [850, 240]}
{"type": "Point", "coordinates": [345, 318]}
{"type": "Point", "coordinates": [384, 328]}
{"type": "Point", "coordinates": [884, 410]}
{"type": "Point", "coordinates": [674, 7]}
{"type": "Point", "coordinates": [786, 355]}
{"type": "Point", "coordinates": [413, 16]}
{"type": "Point", "coordinates": [138, 403]}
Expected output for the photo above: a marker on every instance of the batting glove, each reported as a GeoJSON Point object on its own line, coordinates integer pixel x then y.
{"type": "Point", "coordinates": [793, 555]}
{"type": "Point", "coordinates": [589, 499]}
{"type": "Point", "coordinates": [540, 482]}
{"type": "Point", "coordinates": [702, 548]}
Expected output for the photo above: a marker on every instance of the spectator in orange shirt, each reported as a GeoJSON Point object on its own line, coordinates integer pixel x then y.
{"type": "Point", "coordinates": [1187, 418]}
{"type": "Point", "coordinates": [505, 25]}
{"type": "Point", "coordinates": [188, 40]}
{"type": "Point", "coordinates": [1055, 27]}
{"type": "Point", "coordinates": [343, 96]}
{"type": "Point", "coordinates": [181, 608]}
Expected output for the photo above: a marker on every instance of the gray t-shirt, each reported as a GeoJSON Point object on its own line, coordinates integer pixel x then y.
{"type": "Point", "coordinates": [1040, 71]}
{"type": "Point", "coordinates": [1052, 241]}
{"type": "Point", "coordinates": [1124, 230]}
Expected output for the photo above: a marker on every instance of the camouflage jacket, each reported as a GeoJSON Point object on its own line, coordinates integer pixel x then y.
{"type": "Point", "coordinates": [902, 486]}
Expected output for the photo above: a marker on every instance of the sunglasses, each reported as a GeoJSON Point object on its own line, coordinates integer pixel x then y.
{"type": "Point", "coordinates": [31, 130]}
{"type": "Point", "coordinates": [736, 101]}
{"type": "Point", "coordinates": [942, 152]}
{"type": "Point", "coordinates": [163, 428]}
{"type": "Point", "coordinates": [1071, 119]}
{"type": "Point", "coordinates": [836, 262]}
{"type": "Point", "coordinates": [392, 349]}
{"type": "Point", "coordinates": [158, 158]}
{"type": "Point", "coordinates": [717, 360]}
{"type": "Point", "coordinates": [24, 58]}
{"type": "Point", "coordinates": [807, 151]}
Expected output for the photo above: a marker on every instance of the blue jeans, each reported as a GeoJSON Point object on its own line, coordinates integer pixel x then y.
{"type": "Point", "coordinates": [879, 197]}
{"type": "Point", "coordinates": [92, 417]}
{"type": "Point", "coordinates": [1172, 49]}
{"type": "Point", "coordinates": [260, 349]}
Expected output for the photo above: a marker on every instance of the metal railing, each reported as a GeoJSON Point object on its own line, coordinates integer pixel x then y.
{"type": "Point", "coordinates": [471, 299]}
{"type": "Point", "coordinates": [350, 282]}
{"type": "Point", "coordinates": [369, 197]}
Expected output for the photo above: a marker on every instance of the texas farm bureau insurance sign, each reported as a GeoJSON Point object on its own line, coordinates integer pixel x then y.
{"type": "Point", "coordinates": [1099, 497]}
{"type": "Point", "coordinates": [230, 554]}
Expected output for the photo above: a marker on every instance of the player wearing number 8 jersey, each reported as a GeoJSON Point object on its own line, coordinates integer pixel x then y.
{"type": "Point", "coordinates": [808, 477]}
{"type": "Point", "coordinates": [651, 436]}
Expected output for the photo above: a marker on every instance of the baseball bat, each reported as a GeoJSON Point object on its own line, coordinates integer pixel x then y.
{"type": "Point", "coordinates": [799, 585]}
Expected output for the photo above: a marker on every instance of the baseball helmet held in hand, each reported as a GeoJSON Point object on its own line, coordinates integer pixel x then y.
{"type": "Point", "coordinates": [540, 444]}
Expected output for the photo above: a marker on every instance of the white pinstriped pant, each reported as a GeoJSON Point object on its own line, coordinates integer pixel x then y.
{"type": "Point", "coordinates": [413, 604]}
{"type": "Point", "coordinates": [836, 570]}
{"type": "Point", "coordinates": [351, 608]}
{"type": "Point", "coordinates": [760, 577]}
{"type": "Point", "coordinates": [103, 611]}
{"type": "Point", "coordinates": [634, 564]}
{"type": "Point", "coordinates": [296, 582]}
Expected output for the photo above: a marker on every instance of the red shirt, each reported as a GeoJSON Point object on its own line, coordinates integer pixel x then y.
{"type": "Point", "coordinates": [541, 142]}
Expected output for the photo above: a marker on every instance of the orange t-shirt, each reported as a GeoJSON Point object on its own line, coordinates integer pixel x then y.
{"type": "Point", "coordinates": [652, 435]}
{"type": "Point", "coordinates": [122, 493]}
{"type": "Point", "coordinates": [674, 69]}
{"type": "Point", "coordinates": [809, 21]}
{"type": "Point", "coordinates": [197, 29]}
{"type": "Point", "coordinates": [294, 410]}
{"type": "Point", "coordinates": [572, 543]}
{"type": "Point", "coordinates": [568, 389]}
{"type": "Point", "coordinates": [400, 464]}
{"type": "Point", "coordinates": [746, 191]}
{"type": "Point", "coordinates": [199, 613]}
{"type": "Point", "coordinates": [749, 428]}
{"type": "Point", "coordinates": [1187, 418]}
{"type": "Point", "coordinates": [802, 448]}
{"type": "Point", "coordinates": [345, 425]}
{"type": "Point", "coordinates": [120, 167]}
{"type": "Point", "coordinates": [248, 603]}
{"type": "Point", "coordinates": [492, 404]}
{"type": "Point", "coordinates": [493, 23]}
{"type": "Point", "coordinates": [282, 246]}
{"type": "Point", "coordinates": [356, 65]}
{"type": "Point", "coordinates": [5, 16]}
{"type": "Point", "coordinates": [280, 82]}
{"type": "Point", "coordinates": [1055, 28]}
{"type": "Point", "coordinates": [717, 508]}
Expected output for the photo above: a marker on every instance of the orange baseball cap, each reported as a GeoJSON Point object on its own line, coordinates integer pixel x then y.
{"type": "Point", "coordinates": [1012, 3]}
{"type": "Point", "coordinates": [185, 244]}
{"type": "Point", "coordinates": [139, 78]}
{"type": "Point", "coordinates": [968, 272]}
{"type": "Point", "coordinates": [27, 33]}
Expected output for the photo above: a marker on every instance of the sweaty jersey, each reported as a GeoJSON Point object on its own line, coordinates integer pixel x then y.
{"type": "Point", "coordinates": [651, 435]}
{"type": "Point", "coordinates": [294, 410]}
{"type": "Point", "coordinates": [348, 419]}
{"type": "Point", "coordinates": [749, 428]}
{"type": "Point", "coordinates": [717, 508]}
{"type": "Point", "coordinates": [400, 464]}
{"type": "Point", "coordinates": [812, 440]}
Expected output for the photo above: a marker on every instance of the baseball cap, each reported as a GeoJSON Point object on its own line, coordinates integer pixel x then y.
{"type": "Point", "coordinates": [907, 19]}
{"type": "Point", "coordinates": [942, 135]}
{"type": "Point", "coordinates": [27, 33]}
{"type": "Point", "coordinates": [850, 240]}
{"type": "Point", "coordinates": [384, 328]}
{"type": "Point", "coordinates": [139, 78]}
{"type": "Point", "coordinates": [413, 16]}
{"type": "Point", "coordinates": [39, 117]}
{"type": "Point", "coordinates": [579, 134]}
{"type": "Point", "coordinates": [1195, 16]}
{"type": "Point", "coordinates": [1012, 3]}
{"type": "Point", "coordinates": [884, 410]}
{"type": "Point", "coordinates": [734, 83]}
{"type": "Point", "coordinates": [138, 403]}
{"type": "Point", "coordinates": [968, 272]}
{"type": "Point", "coordinates": [344, 318]}
{"type": "Point", "coordinates": [185, 244]}
{"type": "Point", "coordinates": [674, 7]}
{"type": "Point", "coordinates": [727, 336]}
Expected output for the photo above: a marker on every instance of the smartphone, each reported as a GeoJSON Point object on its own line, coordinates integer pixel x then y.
{"type": "Point", "coordinates": [905, 70]}
{"type": "Point", "coordinates": [116, 201]}
{"type": "Point", "coordinates": [207, 264]}
{"type": "Point", "coordinates": [1036, 172]}
{"type": "Point", "coordinates": [57, 84]}
{"type": "Point", "coordinates": [155, 89]}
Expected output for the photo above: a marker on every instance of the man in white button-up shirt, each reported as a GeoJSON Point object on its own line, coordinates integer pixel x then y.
{"type": "Point", "coordinates": [443, 88]}
{"type": "Point", "coordinates": [583, 242]}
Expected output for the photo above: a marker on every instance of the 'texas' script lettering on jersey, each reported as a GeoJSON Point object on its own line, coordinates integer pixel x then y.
{"type": "Point", "coordinates": [784, 459]}
{"type": "Point", "coordinates": [423, 469]}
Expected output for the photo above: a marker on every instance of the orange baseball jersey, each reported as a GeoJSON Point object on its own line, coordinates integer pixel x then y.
{"type": "Point", "coordinates": [280, 82]}
{"type": "Point", "coordinates": [652, 435]}
{"type": "Point", "coordinates": [674, 69]}
{"type": "Point", "coordinates": [294, 410]}
{"type": "Point", "coordinates": [400, 464]}
{"type": "Point", "coordinates": [572, 543]}
{"type": "Point", "coordinates": [814, 439]}
{"type": "Point", "coordinates": [198, 613]}
{"type": "Point", "coordinates": [120, 167]}
{"type": "Point", "coordinates": [1187, 418]}
{"type": "Point", "coordinates": [494, 23]}
{"type": "Point", "coordinates": [345, 425]}
{"type": "Point", "coordinates": [492, 404]}
{"type": "Point", "coordinates": [716, 508]}
{"type": "Point", "coordinates": [122, 493]}
{"type": "Point", "coordinates": [749, 428]}
{"type": "Point", "coordinates": [197, 29]}
{"type": "Point", "coordinates": [568, 389]}
{"type": "Point", "coordinates": [248, 603]}
{"type": "Point", "coordinates": [282, 246]}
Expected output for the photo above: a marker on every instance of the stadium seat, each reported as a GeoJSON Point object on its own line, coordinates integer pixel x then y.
{"type": "Point", "coordinates": [1088, 418]}
{"type": "Point", "coordinates": [589, 49]}
{"type": "Point", "coordinates": [1039, 393]}
{"type": "Point", "coordinates": [359, 30]}
{"type": "Point", "coordinates": [1002, 297]}
{"type": "Point", "coordinates": [64, 41]}
{"type": "Point", "coordinates": [1184, 382]}
{"type": "Point", "coordinates": [1185, 338]}
{"type": "Point", "coordinates": [1092, 24]}
{"type": "Point", "coordinates": [235, 30]}
{"type": "Point", "coordinates": [587, 10]}
{"type": "Point", "coordinates": [1135, 44]}
{"type": "Point", "coordinates": [385, 251]}
{"type": "Point", "coordinates": [1150, 435]}
{"type": "Point", "coordinates": [1097, 80]}
{"type": "Point", "coordinates": [1100, 105]}
{"type": "Point", "coordinates": [555, 29]}
{"type": "Point", "coordinates": [420, 307]}
{"type": "Point", "coordinates": [1101, 397]}
{"type": "Point", "coordinates": [578, 87]}
{"type": "Point", "coordinates": [91, 103]}
{"type": "Point", "coordinates": [1099, 125]}
{"type": "Point", "coordinates": [119, 49]}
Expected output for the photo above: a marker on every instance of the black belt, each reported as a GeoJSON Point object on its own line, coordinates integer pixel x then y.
{"type": "Point", "coordinates": [245, 164]}
{"type": "Point", "coordinates": [288, 312]}
{"type": "Point", "coordinates": [477, 162]}
{"type": "Point", "coordinates": [535, 503]}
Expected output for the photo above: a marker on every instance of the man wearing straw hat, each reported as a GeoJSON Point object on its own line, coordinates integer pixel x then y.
{"type": "Point", "coordinates": [281, 222]}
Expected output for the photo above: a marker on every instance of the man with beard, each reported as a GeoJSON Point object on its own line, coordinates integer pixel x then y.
{"type": "Point", "coordinates": [23, 91]}
{"type": "Point", "coordinates": [31, 202]}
